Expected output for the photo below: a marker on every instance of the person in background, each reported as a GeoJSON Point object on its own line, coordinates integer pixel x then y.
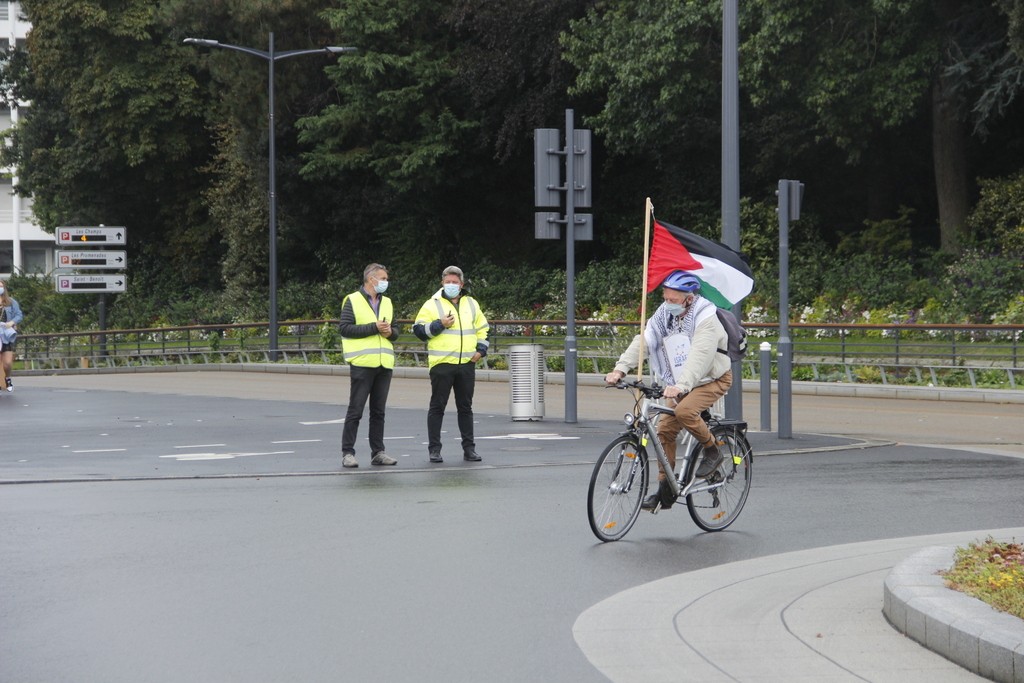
{"type": "Point", "coordinates": [686, 345]}
{"type": "Point", "coordinates": [367, 341]}
{"type": "Point", "coordinates": [10, 316]}
{"type": "Point", "coordinates": [455, 329]}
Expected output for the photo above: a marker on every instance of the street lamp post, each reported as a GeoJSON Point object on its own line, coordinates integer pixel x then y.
{"type": "Point", "coordinates": [271, 57]}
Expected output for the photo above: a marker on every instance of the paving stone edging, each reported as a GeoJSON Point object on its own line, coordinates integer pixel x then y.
{"type": "Point", "coordinates": [960, 628]}
{"type": "Point", "coordinates": [488, 375]}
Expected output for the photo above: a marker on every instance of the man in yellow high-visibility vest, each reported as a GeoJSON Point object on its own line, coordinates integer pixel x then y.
{"type": "Point", "coordinates": [367, 337]}
{"type": "Point", "coordinates": [455, 329]}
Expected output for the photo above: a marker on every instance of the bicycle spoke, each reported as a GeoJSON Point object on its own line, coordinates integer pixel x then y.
{"type": "Point", "coordinates": [617, 487]}
{"type": "Point", "coordinates": [718, 505]}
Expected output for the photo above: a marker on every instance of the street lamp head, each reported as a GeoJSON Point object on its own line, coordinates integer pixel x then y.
{"type": "Point", "coordinates": [201, 41]}
{"type": "Point", "coordinates": [341, 50]}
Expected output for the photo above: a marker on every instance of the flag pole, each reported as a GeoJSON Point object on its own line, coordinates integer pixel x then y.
{"type": "Point", "coordinates": [648, 213]}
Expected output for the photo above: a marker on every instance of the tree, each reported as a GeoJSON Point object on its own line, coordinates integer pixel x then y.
{"type": "Point", "coordinates": [855, 77]}
{"type": "Point", "coordinates": [116, 129]}
{"type": "Point", "coordinates": [431, 135]}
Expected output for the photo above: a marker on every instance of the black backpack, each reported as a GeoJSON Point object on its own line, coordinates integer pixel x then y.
{"type": "Point", "coordinates": [737, 347]}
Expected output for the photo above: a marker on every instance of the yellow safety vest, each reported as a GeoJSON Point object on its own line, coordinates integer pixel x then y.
{"type": "Point", "coordinates": [455, 344]}
{"type": "Point", "coordinates": [375, 350]}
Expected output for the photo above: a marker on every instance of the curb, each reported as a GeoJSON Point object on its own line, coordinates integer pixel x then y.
{"type": "Point", "coordinates": [585, 379]}
{"type": "Point", "coordinates": [960, 628]}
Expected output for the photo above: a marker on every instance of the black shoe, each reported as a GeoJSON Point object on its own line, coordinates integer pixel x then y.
{"type": "Point", "coordinates": [710, 462]}
{"type": "Point", "coordinates": [435, 456]}
{"type": "Point", "coordinates": [667, 498]}
{"type": "Point", "coordinates": [663, 497]}
{"type": "Point", "coordinates": [471, 456]}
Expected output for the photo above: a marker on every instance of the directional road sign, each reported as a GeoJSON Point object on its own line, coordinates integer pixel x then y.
{"type": "Point", "coordinates": [93, 259]}
{"type": "Point", "coordinates": [98, 236]}
{"type": "Point", "coordinates": [90, 284]}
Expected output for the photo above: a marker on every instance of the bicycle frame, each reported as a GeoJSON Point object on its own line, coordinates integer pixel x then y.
{"type": "Point", "coordinates": [646, 425]}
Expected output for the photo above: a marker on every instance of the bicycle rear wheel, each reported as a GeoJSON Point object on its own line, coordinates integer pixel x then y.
{"type": "Point", "coordinates": [617, 488]}
{"type": "Point", "coordinates": [716, 509]}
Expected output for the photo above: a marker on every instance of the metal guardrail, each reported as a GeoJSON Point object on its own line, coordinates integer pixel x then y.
{"type": "Point", "coordinates": [825, 352]}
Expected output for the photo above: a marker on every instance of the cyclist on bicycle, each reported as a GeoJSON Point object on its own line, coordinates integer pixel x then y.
{"type": "Point", "coordinates": [682, 340]}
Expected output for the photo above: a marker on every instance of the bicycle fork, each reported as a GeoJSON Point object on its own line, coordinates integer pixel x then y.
{"type": "Point", "coordinates": [624, 485]}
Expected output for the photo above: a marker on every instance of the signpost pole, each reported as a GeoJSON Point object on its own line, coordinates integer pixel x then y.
{"type": "Point", "coordinates": [102, 306]}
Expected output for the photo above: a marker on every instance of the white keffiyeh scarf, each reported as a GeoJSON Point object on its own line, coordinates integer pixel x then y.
{"type": "Point", "coordinates": [662, 325]}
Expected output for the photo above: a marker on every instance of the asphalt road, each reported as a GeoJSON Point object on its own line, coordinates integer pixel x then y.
{"type": "Point", "coordinates": [181, 531]}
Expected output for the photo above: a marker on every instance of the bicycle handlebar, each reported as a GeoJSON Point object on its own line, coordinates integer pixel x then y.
{"type": "Point", "coordinates": [654, 391]}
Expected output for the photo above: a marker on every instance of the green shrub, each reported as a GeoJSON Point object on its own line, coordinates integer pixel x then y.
{"type": "Point", "coordinates": [47, 311]}
{"type": "Point", "coordinates": [979, 284]}
{"type": "Point", "coordinates": [999, 214]}
{"type": "Point", "coordinates": [868, 374]}
{"type": "Point", "coordinates": [887, 238]}
{"type": "Point", "coordinates": [508, 293]}
{"type": "Point", "coordinates": [864, 281]}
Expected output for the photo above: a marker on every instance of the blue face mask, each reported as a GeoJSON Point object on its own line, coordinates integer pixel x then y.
{"type": "Point", "coordinates": [673, 309]}
{"type": "Point", "coordinates": [452, 290]}
{"type": "Point", "coordinates": [381, 286]}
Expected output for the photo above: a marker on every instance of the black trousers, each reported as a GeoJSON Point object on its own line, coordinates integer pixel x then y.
{"type": "Point", "coordinates": [443, 378]}
{"type": "Point", "coordinates": [372, 383]}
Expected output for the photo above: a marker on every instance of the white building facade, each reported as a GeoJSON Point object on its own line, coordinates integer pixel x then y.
{"type": "Point", "coordinates": [24, 246]}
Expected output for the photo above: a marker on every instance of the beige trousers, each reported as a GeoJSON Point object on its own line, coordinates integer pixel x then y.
{"type": "Point", "coordinates": [687, 414]}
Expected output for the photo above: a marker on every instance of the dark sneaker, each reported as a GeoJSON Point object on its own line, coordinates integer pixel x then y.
{"type": "Point", "coordinates": [471, 456]}
{"type": "Point", "coordinates": [710, 462]}
{"type": "Point", "coordinates": [650, 502]}
{"type": "Point", "coordinates": [10, 384]}
{"type": "Point", "coordinates": [382, 458]}
{"type": "Point", "coordinates": [349, 460]}
{"type": "Point", "coordinates": [435, 456]}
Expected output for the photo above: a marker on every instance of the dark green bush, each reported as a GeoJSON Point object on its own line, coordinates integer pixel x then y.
{"type": "Point", "coordinates": [999, 213]}
{"type": "Point", "coordinates": [980, 285]}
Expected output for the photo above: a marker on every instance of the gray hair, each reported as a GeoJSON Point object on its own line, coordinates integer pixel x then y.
{"type": "Point", "coordinates": [371, 269]}
{"type": "Point", "coordinates": [453, 270]}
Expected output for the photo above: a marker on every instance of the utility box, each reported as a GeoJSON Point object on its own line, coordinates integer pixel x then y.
{"type": "Point", "coordinates": [526, 381]}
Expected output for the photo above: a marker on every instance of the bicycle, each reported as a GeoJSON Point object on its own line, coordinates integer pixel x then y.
{"type": "Point", "coordinates": [619, 482]}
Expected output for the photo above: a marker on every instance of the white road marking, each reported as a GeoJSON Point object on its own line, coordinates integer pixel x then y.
{"type": "Point", "coordinates": [325, 422]}
{"type": "Point", "coordinates": [203, 445]}
{"type": "Point", "coordinates": [103, 450]}
{"type": "Point", "coordinates": [298, 441]}
{"type": "Point", "coordinates": [220, 456]}
{"type": "Point", "coordinates": [532, 437]}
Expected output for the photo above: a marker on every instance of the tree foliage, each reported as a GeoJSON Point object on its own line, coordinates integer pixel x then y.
{"type": "Point", "coordinates": [417, 150]}
{"type": "Point", "coordinates": [116, 128]}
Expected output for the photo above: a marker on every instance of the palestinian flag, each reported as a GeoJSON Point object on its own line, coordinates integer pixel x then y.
{"type": "Point", "coordinates": [724, 274]}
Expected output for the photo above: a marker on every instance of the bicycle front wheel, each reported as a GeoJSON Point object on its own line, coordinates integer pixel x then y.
{"type": "Point", "coordinates": [617, 488]}
{"type": "Point", "coordinates": [717, 508]}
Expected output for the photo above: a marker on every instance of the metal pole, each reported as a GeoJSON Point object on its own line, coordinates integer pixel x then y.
{"type": "Point", "coordinates": [271, 57]}
{"type": "Point", "coordinates": [785, 347]}
{"type": "Point", "coordinates": [273, 213]}
{"type": "Point", "coordinates": [570, 273]}
{"type": "Point", "coordinates": [766, 387]}
{"type": "Point", "coordinates": [103, 325]}
{"type": "Point", "coordinates": [731, 171]}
